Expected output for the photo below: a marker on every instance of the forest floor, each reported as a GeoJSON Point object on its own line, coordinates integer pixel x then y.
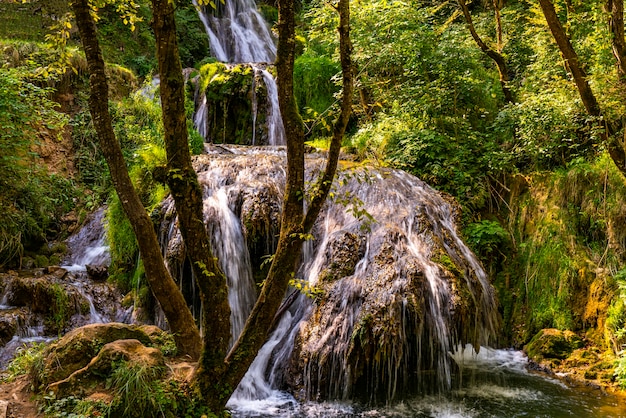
{"type": "Point", "coordinates": [20, 399]}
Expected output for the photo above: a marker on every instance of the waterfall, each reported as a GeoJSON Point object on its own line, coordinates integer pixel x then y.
{"type": "Point", "coordinates": [238, 34]}
{"type": "Point", "coordinates": [398, 289]}
{"type": "Point", "coordinates": [275, 126]}
{"type": "Point", "coordinates": [88, 246]}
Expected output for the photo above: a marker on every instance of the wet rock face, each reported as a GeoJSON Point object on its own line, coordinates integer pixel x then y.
{"type": "Point", "coordinates": [47, 296]}
{"type": "Point", "coordinates": [399, 292]}
{"type": "Point", "coordinates": [394, 287]}
{"type": "Point", "coordinates": [232, 107]}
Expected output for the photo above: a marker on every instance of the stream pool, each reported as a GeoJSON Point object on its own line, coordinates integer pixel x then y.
{"type": "Point", "coordinates": [496, 383]}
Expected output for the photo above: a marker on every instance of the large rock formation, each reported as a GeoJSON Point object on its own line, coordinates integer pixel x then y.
{"type": "Point", "coordinates": [394, 289]}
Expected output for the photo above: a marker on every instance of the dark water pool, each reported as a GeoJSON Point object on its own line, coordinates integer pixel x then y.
{"type": "Point", "coordinates": [496, 383]}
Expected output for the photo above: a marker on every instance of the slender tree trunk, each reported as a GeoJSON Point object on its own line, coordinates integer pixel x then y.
{"type": "Point", "coordinates": [497, 6]}
{"type": "Point", "coordinates": [494, 55]}
{"type": "Point", "coordinates": [183, 183]}
{"type": "Point", "coordinates": [616, 147]}
{"type": "Point", "coordinates": [291, 236]}
{"type": "Point", "coordinates": [345, 54]}
{"type": "Point", "coordinates": [571, 58]}
{"type": "Point", "coordinates": [616, 24]}
{"type": "Point", "coordinates": [294, 224]}
{"type": "Point", "coordinates": [163, 287]}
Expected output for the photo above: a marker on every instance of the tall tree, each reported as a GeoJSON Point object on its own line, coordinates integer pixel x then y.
{"type": "Point", "coordinates": [495, 55]}
{"type": "Point", "coordinates": [184, 187]}
{"type": "Point", "coordinates": [295, 223]}
{"type": "Point", "coordinates": [161, 283]}
{"type": "Point", "coordinates": [218, 373]}
{"type": "Point", "coordinates": [588, 98]}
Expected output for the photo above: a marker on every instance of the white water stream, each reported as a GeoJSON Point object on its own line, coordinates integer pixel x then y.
{"type": "Point", "coordinates": [238, 34]}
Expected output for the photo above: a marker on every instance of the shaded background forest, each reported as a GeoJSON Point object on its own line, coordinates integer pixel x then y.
{"type": "Point", "coordinates": [540, 200]}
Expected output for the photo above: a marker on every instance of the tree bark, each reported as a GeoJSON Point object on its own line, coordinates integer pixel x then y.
{"type": "Point", "coordinates": [615, 146]}
{"type": "Point", "coordinates": [185, 189]}
{"type": "Point", "coordinates": [494, 55]}
{"type": "Point", "coordinates": [163, 287]}
{"type": "Point", "coordinates": [345, 54]}
{"type": "Point", "coordinates": [571, 58]}
{"type": "Point", "coordinates": [497, 6]}
{"type": "Point", "coordinates": [294, 224]}
{"type": "Point", "coordinates": [616, 25]}
{"type": "Point", "coordinates": [291, 236]}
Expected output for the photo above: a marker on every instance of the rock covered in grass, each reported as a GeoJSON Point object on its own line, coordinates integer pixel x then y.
{"type": "Point", "coordinates": [135, 354]}
{"type": "Point", "coordinates": [78, 347]}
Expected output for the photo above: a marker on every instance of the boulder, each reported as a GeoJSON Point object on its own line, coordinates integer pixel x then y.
{"type": "Point", "coordinates": [97, 272]}
{"type": "Point", "coordinates": [131, 351]}
{"type": "Point", "coordinates": [76, 348]}
{"type": "Point", "coordinates": [552, 345]}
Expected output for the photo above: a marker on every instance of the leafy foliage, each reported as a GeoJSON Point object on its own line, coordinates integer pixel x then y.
{"type": "Point", "coordinates": [486, 237]}
{"type": "Point", "coordinates": [32, 199]}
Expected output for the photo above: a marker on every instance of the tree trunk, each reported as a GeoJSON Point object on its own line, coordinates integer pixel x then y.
{"type": "Point", "coordinates": [345, 54]}
{"type": "Point", "coordinates": [616, 147]}
{"type": "Point", "coordinates": [291, 236]}
{"type": "Point", "coordinates": [571, 58]}
{"type": "Point", "coordinates": [163, 287]}
{"type": "Point", "coordinates": [498, 5]}
{"type": "Point", "coordinates": [294, 224]}
{"type": "Point", "coordinates": [615, 9]}
{"type": "Point", "coordinates": [494, 55]}
{"type": "Point", "coordinates": [183, 183]}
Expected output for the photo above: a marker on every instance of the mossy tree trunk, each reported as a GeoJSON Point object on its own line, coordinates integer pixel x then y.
{"type": "Point", "coordinates": [163, 287]}
{"type": "Point", "coordinates": [615, 9]}
{"type": "Point", "coordinates": [295, 223]}
{"type": "Point", "coordinates": [615, 145]}
{"type": "Point", "coordinates": [184, 187]}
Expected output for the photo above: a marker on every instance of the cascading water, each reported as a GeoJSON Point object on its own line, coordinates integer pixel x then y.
{"type": "Point", "coordinates": [88, 246]}
{"type": "Point", "coordinates": [391, 281]}
{"type": "Point", "coordinates": [238, 34]}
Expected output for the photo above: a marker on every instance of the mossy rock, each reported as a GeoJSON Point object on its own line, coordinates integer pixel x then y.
{"type": "Point", "coordinates": [76, 348]}
{"type": "Point", "coordinates": [8, 328]}
{"type": "Point", "coordinates": [130, 351]}
{"type": "Point", "coordinates": [552, 344]}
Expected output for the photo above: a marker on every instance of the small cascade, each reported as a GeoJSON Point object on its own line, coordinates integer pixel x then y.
{"type": "Point", "coordinates": [238, 34]}
{"type": "Point", "coordinates": [397, 288]}
{"type": "Point", "coordinates": [88, 246]}
{"type": "Point", "coordinates": [276, 130]}
{"type": "Point", "coordinates": [94, 316]}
